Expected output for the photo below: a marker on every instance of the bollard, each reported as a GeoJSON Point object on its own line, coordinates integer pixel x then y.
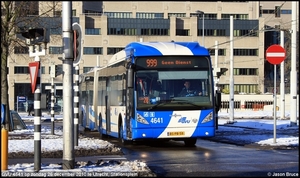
{"type": "Point", "coordinates": [4, 149]}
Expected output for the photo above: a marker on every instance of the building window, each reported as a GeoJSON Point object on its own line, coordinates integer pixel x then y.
{"type": "Point", "coordinates": [55, 31]}
{"type": "Point", "coordinates": [245, 71]}
{"type": "Point", "coordinates": [245, 52]}
{"type": "Point", "coordinates": [57, 13]}
{"type": "Point", "coordinates": [74, 12]}
{"type": "Point", "coordinates": [243, 88]}
{"type": "Point", "coordinates": [211, 32]}
{"type": "Point", "coordinates": [142, 15]}
{"type": "Point", "coordinates": [116, 31]}
{"type": "Point", "coordinates": [92, 50]}
{"type": "Point", "coordinates": [21, 70]}
{"type": "Point", "coordinates": [91, 12]}
{"type": "Point", "coordinates": [268, 11]}
{"type": "Point", "coordinates": [87, 69]}
{"type": "Point", "coordinates": [92, 31]}
{"type": "Point", "coordinates": [221, 52]}
{"type": "Point", "coordinates": [27, 8]}
{"type": "Point", "coordinates": [260, 11]}
{"type": "Point", "coordinates": [176, 15]}
{"type": "Point", "coordinates": [21, 50]}
{"type": "Point", "coordinates": [150, 31]}
{"type": "Point", "coordinates": [111, 51]}
{"type": "Point", "coordinates": [42, 69]}
{"type": "Point", "coordinates": [250, 33]}
{"type": "Point", "coordinates": [122, 31]}
{"type": "Point", "coordinates": [130, 31]}
{"type": "Point", "coordinates": [206, 16]}
{"type": "Point", "coordinates": [55, 50]}
{"type": "Point", "coordinates": [118, 14]}
{"type": "Point", "coordinates": [182, 32]}
{"type": "Point", "coordinates": [286, 11]}
{"type": "Point", "coordinates": [235, 16]}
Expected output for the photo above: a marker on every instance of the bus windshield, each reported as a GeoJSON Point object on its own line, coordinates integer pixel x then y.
{"type": "Point", "coordinates": [169, 89]}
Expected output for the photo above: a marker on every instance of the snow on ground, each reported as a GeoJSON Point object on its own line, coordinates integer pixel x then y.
{"type": "Point", "coordinates": [133, 168]}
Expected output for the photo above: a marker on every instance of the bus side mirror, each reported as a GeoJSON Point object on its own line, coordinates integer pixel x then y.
{"type": "Point", "coordinates": [130, 78]}
{"type": "Point", "coordinates": [218, 100]}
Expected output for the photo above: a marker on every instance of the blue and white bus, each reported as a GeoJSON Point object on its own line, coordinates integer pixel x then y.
{"type": "Point", "coordinates": [136, 94]}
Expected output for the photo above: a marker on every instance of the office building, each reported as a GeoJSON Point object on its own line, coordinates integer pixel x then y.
{"type": "Point", "coordinates": [108, 26]}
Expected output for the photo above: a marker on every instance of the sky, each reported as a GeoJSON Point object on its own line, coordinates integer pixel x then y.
{"type": "Point", "coordinates": [251, 119]}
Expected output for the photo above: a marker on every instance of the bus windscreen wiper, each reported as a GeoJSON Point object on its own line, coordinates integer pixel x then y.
{"type": "Point", "coordinates": [184, 102]}
{"type": "Point", "coordinates": [162, 102]}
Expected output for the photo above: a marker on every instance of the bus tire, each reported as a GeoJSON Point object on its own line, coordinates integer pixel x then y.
{"type": "Point", "coordinates": [121, 138]}
{"type": "Point", "coordinates": [190, 141]}
{"type": "Point", "coordinates": [100, 126]}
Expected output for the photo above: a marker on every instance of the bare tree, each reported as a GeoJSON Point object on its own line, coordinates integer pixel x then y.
{"type": "Point", "coordinates": [17, 16]}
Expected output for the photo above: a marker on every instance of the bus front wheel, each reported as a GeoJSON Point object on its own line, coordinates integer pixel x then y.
{"type": "Point", "coordinates": [121, 137]}
{"type": "Point", "coordinates": [190, 142]}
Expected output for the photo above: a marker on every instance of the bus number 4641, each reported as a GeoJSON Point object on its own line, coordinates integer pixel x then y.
{"type": "Point", "coordinates": [156, 120]}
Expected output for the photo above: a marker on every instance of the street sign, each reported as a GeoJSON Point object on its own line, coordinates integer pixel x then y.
{"type": "Point", "coordinates": [21, 98]}
{"type": "Point", "coordinates": [275, 54]}
{"type": "Point", "coordinates": [33, 70]}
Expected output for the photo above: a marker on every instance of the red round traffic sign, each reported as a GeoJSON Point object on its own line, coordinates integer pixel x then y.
{"type": "Point", "coordinates": [275, 54]}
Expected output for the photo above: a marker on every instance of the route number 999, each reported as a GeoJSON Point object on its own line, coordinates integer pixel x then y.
{"type": "Point", "coordinates": [151, 62]}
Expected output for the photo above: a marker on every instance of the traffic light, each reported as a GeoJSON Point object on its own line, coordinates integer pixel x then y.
{"type": "Point", "coordinates": [222, 71]}
{"type": "Point", "coordinates": [55, 70]}
{"type": "Point", "coordinates": [36, 36]}
{"type": "Point", "coordinates": [77, 40]}
{"type": "Point", "coordinates": [48, 99]}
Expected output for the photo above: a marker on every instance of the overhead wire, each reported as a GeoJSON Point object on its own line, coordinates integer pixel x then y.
{"type": "Point", "coordinates": [269, 18]}
{"type": "Point", "coordinates": [248, 34]}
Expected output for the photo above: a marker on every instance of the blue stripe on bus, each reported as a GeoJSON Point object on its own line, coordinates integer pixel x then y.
{"type": "Point", "coordinates": [160, 49]}
{"type": "Point", "coordinates": [163, 122]}
{"type": "Point", "coordinates": [151, 133]}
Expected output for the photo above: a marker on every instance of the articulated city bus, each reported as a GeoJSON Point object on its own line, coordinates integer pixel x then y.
{"type": "Point", "coordinates": [138, 93]}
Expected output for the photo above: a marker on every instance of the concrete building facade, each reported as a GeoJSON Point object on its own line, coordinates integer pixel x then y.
{"type": "Point", "coordinates": [108, 26]}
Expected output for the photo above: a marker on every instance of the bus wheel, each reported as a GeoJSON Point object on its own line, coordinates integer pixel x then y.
{"type": "Point", "coordinates": [190, 142]}
{"type": "Point", "coordinates": [100, 126]}
{"type": "Point", "coordinates": [121, 137]}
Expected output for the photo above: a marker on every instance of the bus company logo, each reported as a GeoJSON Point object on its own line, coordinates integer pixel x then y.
{"type": "Point", "coordinates": [183, 120]}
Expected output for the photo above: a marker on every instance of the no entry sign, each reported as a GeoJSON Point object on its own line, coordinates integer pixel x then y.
{"type": "Point", "coordinates": [275, 54]}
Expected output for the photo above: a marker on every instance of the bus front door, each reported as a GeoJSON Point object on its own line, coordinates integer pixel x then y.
{"type": "Point", "coordinates": [107, 115]}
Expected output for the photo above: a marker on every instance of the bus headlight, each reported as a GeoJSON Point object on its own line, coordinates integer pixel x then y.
{"type": "Point", "coordinates": [141, 119]}
{"type": "Point", "coordinates": [208, 118]}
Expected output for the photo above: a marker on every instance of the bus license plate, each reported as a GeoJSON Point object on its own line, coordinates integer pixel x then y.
{"type": "Point", "coordinates": [176, 133]}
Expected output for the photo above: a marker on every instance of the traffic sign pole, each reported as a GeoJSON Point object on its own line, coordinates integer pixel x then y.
{"type": "Point", "coordinates": [68, 105]}
{"type": "Point", "coordinates": [274, 106]}
{"type": "Point", "coordinates": [275, 54]}
{"type": "Point", "coordinates": [282, 80]}
{"type": "Point", "coordinates": [35, 76]}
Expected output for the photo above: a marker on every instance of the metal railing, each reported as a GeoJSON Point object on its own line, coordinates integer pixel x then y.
{"type": "Point", "coordinates": [250, 105]}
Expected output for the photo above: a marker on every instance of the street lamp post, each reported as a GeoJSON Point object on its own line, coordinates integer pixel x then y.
{"type": "Point", "coordinates": [199, 13]}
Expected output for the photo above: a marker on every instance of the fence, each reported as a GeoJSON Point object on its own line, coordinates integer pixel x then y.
{"type": "Point", "coordinates": [250, 105]}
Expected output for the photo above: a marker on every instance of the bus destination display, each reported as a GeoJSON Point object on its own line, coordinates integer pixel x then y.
{"type": "Point", "coordinates": [170, 62]}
